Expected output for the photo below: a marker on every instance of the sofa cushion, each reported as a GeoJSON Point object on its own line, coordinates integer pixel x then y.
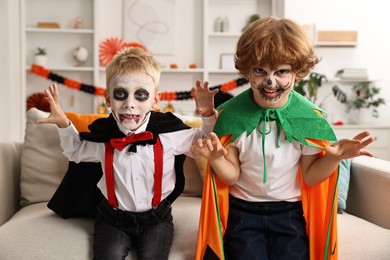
{"type": "Point", "coordinates": [36, 232]}
{"type": "Point", "coordinates": [42, 164]}
{"type": "Point", "coordinates": [360, 239]}
{"type": "Point", "coordinates": [343, 183]}
{"type": "Point", "coordinates": [82, 121]}
{"type": "Point", "coordinates": [193, 182]}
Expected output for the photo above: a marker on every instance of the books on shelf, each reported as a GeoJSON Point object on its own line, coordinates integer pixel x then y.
{"type": "Point", "coordinates": [352, 73]}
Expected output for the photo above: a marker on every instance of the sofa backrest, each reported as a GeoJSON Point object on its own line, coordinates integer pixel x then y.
{"type": "Point", "coordinates": [193, 181]}
{"type": "Point", "coordinates": [42, 163]}
{"type": "Point", "coordinates": [10, 154]}
{"type": "Point", "coordinates": [369, 190]}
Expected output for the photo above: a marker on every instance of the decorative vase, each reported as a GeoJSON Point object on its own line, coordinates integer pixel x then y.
{"type": "Point", "coordinates": [40, 60]}
{"type": "Point", "coordinates": [80, 54]}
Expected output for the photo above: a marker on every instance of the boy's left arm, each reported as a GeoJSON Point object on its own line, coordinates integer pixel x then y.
{"type": "Point", "coordinates": [316, 168]}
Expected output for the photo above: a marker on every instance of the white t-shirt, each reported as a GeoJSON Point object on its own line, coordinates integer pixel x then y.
{"type": "Point", "coordinates": [282, 166]}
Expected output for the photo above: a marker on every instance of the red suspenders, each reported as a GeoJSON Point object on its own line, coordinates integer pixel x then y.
{"type": "Point", "coordinates": [158, 171]}
{"type": "Point", "coordinates": [109, 172]}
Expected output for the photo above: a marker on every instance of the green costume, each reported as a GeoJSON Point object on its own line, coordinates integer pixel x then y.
{"type": "Point", "coordinates": [300, 119]}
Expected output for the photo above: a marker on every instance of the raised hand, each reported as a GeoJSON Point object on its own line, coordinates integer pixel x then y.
{"type": "Point", "coordinates": [210, 148]}
{"type": "Point", "coordinates": [204, 98]}
{"type": "Point", "coordinates": [349, 148]}
{"type": "Point", "coordinates": [57, 115]}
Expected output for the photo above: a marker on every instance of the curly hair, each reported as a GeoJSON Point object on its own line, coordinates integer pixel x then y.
{"type": "Point", "coordinates": [272, 41]}
{"type": "Point", "coordinates": [133, 60]}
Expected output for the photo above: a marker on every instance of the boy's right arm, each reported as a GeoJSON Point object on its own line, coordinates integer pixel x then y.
{"type": "Point", "coordinates": [74, 149]}
{"type": "Point", "coordinates": [57, 115]}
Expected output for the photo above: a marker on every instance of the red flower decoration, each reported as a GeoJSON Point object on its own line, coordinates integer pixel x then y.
{"type": "Point", "coordinates": [109, 48]}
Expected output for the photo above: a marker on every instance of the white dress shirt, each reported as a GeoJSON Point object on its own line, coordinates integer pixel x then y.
{"type": "Point", "coordinates": [133, 172]}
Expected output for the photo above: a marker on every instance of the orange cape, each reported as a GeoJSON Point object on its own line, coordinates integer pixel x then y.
{"type": "Point", "coordinates": [319, 207]}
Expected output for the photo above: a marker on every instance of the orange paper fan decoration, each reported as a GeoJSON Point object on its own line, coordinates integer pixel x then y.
{"type": "Point", "coordinates": [37, 100]}
{"type": "Point", "coordinates": [109, 48]}
{"type": "Point", "coordinates": [136, 44]}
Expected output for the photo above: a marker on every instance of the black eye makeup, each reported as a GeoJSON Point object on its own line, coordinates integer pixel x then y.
{"type": "Point", "coordinates": [259, 70]}
{"type": "Point", "coordinates": [120, 94]}
{"type": "Point", "coordinates": [141, 95]}
{"type": "Point", "coordinates": [283, 72]}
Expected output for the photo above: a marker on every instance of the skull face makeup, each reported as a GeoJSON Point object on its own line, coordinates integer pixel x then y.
{"type": "Point", "coordinates": [271, 88]}
{"type": "Point", "coordinates": [131, 97]}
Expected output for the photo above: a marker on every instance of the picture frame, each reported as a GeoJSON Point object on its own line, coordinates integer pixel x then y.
{"type": "Point", "coordinates": [227, 61]}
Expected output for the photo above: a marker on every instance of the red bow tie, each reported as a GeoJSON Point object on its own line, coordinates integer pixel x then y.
{"type": "Point", "coordinates": [121, 143]}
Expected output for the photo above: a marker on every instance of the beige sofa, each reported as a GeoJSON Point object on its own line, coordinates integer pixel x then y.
{"type": "Point", "coordinates": [30, 173]}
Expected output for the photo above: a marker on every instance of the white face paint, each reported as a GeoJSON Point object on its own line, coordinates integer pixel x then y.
{"type": "Point", "coordinates": [131, 97]}
{"type": "Point", "coordinates": [271, 88]}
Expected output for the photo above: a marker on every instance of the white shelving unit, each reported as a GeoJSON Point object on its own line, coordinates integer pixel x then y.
{"type": "Point", "coordinates": [60, 43]}
{"type": "Point", "coordinates": [216, 43]}
{"type": "Point", "coordinates": [336, 44]}
{"type": "Point", "coordinates": [349, 81]}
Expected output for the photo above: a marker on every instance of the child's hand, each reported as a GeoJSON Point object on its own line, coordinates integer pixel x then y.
{"type": "Point", "coordinates": [204, 99]}
{"type": "Point", "coordinates": [57, 115]}
{"type": "Point", "coordinates": [209, 148]}
{"type": "Point", "coordinates": [350, 148]}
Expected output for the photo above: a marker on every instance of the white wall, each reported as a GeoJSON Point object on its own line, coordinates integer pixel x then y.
{"type": "Point", "coordinates": [4, 71]}
{"type": "Point", "coordinates": [368, 17]}
{"type": "Point", "coordinates": [3, 67]}
{"type": "Point", "coordinates": [11, 107]}
{"type": "Point", "coordinates": [372, 21]}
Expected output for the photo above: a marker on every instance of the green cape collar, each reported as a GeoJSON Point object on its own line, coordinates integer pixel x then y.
{"type": "Point", "coordinates": [299, 118]}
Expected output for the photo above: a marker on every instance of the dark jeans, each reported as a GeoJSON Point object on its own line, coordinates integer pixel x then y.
{"type": "Point", "coordinates": [117, 232]}
{"type": "Point", "coordinates": [265, 230]}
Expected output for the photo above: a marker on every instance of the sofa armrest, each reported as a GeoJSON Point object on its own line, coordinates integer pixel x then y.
{"type": "Point", "coordinates": [10, 168]}
{"type": "Point", "coordinates": [368, 195]}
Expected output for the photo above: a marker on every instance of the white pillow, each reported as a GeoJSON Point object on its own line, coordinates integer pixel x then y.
{"type": "Point", "coordinates": [43, 165]}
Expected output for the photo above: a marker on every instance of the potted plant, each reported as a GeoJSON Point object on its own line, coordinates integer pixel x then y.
{"type": "Point", "coordinates": [40, 57]}
{"type": "Point", "coordinates": [251, 19]}
{"type": "Point", "coordinates": [308, 87]}
{"type": "Point", "coordinates": [364, 99]}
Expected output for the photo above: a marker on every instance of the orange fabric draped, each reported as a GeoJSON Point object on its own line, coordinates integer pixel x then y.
{"type": "Point", "coordinates": [319, 205]}
{"type": "Point", "coordinates": [320, 210]}
{"type": "Point", "coordinates": [213, 214]}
